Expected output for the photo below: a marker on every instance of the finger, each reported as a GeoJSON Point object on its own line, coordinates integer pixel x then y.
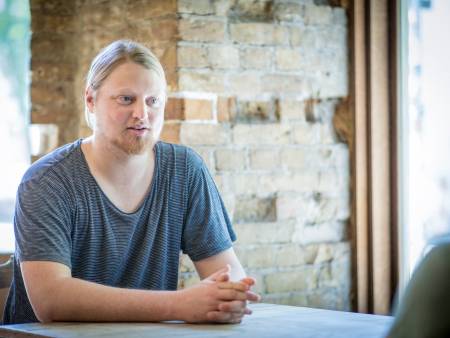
{"type": "Point", "coordinates": [234, 285]}
{"type": "Point", "coordinates": [219, 317]}
{"type": "Point", "coordinates": [225, 270]}
{"type": "Point", "coordinates": [223, 277]}
{"type": "Point", "coordinates": [232, 294]}
{"type": "Point", "coordinates": [249, 281]}
{"type": "Point", "coordinates": [235, 306]}
{"type": "Point", "coordinates": [224, 317]}
{"type": "Point", "coordinates": [252, 296]}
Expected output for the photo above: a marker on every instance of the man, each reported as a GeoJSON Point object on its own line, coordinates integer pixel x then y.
{"type": "Point", "coordinates": [100, 222]}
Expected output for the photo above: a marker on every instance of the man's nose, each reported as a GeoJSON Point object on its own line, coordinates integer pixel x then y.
{"type": "Point", "coordinates": [140, 110]}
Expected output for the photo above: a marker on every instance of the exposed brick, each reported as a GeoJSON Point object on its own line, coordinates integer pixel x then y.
{"type": "Point", "coordinates": [259, 233]}
{"type": "Point", "coordinates": [189, 56]}
{"type": "Point", "coordinates": [186, 265]}
{"type": "Point", "coordinates": [256, 58]}
{"type": "Point", "coordinates": [256, 111]}
{"type": "Point", "coordinates": [51, 72]}
{"type": "Point", "coordinates": [224, 57]}
{"type": "Point", "coordinates": [200, 7]}
{"type": "Point", "coordinates": [319, 233]}
{"type": "Point", "coordinates": [230, 159]}
{"type": "Point", "coordinates": [305, 37]}
{"type": "Point", "coordinates": [140, 9]}
{"type": "Point", "coordinates": [290, 110]}
{"type": "Point", "coordinates": [174, 109]}
{"type": "Point", "coordinates": [206, 154]}
{"type": "Point", "coordinates": [334, 182]}
{"type": "Point", "coordinates": [48, 94]}
{"type": "Point", "coordinates": [203, 134]}
{"type": "Point", "coordinates": [317, 157]}
{"type": "Point", "coordinates": [226, 108]}
{"type": "Point", "coordinates": [95, 15]}
{"type": "Point", "coordinates": [197, 109]}
{"type": "Point", "coordinates": [202, 30]}
{"type": "Point", "coordinates": [244, 84]}
{"type": "Point", "coordinates": [311, 209]}
{"type": "Point", "coordinates": [302, 279]}
{"type": "Point", "coordinates": [284, 83]}
{"type": "Point", "coordinates": [306, 133]}
{"type": "Point", "coordinates": [325, 298]}
{"type": "Point", "coordinates": [171, 133]}
{"type": "Point", "coordinates": [53, 7]}
{"type": "Point", "coordinates": [295, 158]}
{"type": "Point", "coordinates": [289, 12]}
{"type": "Point", "coordinates": [221, 7]}
{"type": "Point", "coordinates": [188, 279]}
{"type": "Point", "coordinates": [291, 206]}
{"type": "Point", "coordinates": [257, 257]}
{"type": "Point", "coordinates": [201, 81]}
{"type": "Point", "coordinates": [288, 59]}
{"type": "Point", "coordinates": [318, 15]}
{"type": "Point", "coordinates": [270, 255]}
{"type": "Point", "coordinates": [287, 298]}
{"type": "Point", "coordinates": [339, 16]}
{"type": "Point", "coordinates": [258, 33]}
{"type": "Point", "coordinates": [268, 184]}
{"type": "Point", "coordinates": [252, 10]}
{"type": "Point", "coordinates": [54, 24]}
{"type": "Point", "coordinates": [168, 60]}
{"type": "Point", "coordinates": [223, 182]}
{"type": "Point", "coordinates": [41, 44]}
{"type": "Point", "coordinates": [264, 159]}
{"type": "Point", "coordinates": [254, 209]}
{"type": "Point", "coordinates": [267, 134]}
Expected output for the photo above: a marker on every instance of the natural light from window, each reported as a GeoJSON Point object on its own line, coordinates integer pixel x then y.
{"type": "Point", "coordinates": [14, 98]}
{"type": "Point", "coordinates": [428, 116]}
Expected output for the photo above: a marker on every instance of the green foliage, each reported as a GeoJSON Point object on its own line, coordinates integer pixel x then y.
{"type": "Point", "coordinates": [15, 47]}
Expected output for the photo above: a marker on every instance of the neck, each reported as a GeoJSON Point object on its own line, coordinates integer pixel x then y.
{"type": "Point", "coordinates": [115, 164]}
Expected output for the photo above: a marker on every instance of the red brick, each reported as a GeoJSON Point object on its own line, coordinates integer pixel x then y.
{"type": "Point", "coordinates": [171, 133]}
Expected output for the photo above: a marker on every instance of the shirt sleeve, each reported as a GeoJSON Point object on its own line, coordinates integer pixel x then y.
{"type": "Point", "coordinates": [207, 228]}
{"type": "Point", "coordinates": [42, 222]}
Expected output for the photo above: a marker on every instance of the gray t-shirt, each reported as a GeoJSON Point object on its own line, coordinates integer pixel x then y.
{"type": "Point", "coordinates": [63, 216]}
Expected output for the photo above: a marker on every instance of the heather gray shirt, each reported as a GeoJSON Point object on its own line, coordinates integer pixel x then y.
{"type": "Point", "coordinates": [63, 216]}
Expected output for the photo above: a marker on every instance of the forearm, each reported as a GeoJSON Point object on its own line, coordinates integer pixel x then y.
{"type": "Point", "coordinates": [78, 300]}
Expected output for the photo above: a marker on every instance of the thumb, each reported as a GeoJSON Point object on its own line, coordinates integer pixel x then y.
{"type": "Point", "coordinates": [221, 275]}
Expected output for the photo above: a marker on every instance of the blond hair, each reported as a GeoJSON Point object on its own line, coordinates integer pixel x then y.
{"type": "Point", "coordinates": [113, 55]}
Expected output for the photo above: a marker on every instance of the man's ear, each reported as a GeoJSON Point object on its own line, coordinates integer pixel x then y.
{"type": "Point", "coordinates": [89, 98]}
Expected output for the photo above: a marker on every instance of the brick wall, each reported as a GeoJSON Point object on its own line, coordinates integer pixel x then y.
{"type": "Point", "coordinates": [254, 88]}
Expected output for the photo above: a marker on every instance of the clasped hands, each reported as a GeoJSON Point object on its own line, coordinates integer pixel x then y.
{"type": "Point", "coordinates": [218, 299]}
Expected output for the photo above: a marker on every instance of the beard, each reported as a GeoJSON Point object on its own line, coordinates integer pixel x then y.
{"type": "Point", "coordinates": [133, 144]}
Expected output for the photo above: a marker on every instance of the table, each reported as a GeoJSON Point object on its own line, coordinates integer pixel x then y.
{"type": "Point", "coordinates": [267, 320]}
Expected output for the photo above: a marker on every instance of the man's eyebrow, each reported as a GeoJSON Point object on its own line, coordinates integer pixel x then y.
{"type": "Point", "coordinates": [125, 89]}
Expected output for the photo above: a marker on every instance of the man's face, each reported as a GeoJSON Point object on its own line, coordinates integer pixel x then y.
{"type": "Point", "coordinates": [129, 108]}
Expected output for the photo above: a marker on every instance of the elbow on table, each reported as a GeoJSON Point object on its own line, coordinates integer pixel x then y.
{"type": "Point", "coordinates": [44, 311]}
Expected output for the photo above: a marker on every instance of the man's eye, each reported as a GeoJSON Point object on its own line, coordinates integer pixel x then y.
{"type": "Point", "coordinates": [125, 99]}
{"type": "Point", "coordinates": [153, 102]}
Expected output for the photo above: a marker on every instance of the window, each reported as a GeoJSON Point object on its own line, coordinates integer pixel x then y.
{"type": "Point", "coordinates": [14, 96]}
{"type": "Point", "coordinates": [426, 127]}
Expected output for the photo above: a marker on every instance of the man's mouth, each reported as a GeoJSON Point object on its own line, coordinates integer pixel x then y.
{"type": "Point", "coordinates": [139, 128]}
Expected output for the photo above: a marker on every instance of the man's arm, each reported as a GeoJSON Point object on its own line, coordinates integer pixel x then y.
{"type": "Point", "coordinates": [56, 296]}
{"type": "Point", "coordinates": [208, 266]}
{"type": "Point", "coordinates": [233, 310]}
